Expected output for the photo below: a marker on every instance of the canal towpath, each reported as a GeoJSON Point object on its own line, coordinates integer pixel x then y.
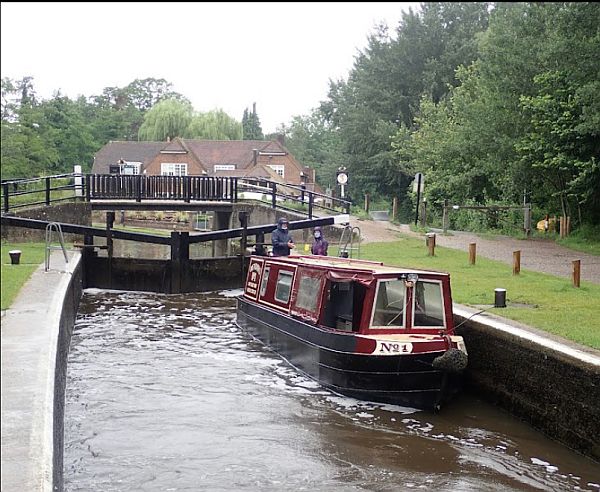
{"type": "Point", "coordinates": [537, 254]}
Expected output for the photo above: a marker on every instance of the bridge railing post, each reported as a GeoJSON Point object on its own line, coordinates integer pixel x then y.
{"type": "Point", "coordinates": [88, 180]}
{"type": "Point", "coordinates": [5, 193]}
{"type": "Point", "coordinates": [274, 195]}
{"type": "Point", "coordinates": [138, 197]}
{"type": "Point", "coordinates": [311, 199]}
{"type": "Point", "coordinates": [187, 187]}
{"type": "Point", "coordinates": [47, 191]}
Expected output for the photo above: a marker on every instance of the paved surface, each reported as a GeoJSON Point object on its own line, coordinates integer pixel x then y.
{"type": "Point", "coordinates": [538, 255]}
{"type": "Point", "coordinates": [29, 337]}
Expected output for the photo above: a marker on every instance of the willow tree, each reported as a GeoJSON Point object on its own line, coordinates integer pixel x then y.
{"type": "Point", "coordinates": [166, 120]}
{"type": "Point", "coordinates": [214, 125]}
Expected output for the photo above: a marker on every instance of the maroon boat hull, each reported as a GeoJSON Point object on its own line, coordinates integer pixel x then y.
{"type": "Point", "coordinates": [331, 358]}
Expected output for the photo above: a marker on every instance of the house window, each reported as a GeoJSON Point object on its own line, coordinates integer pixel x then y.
{"type": "Point", "coordinates": [173, 169]}
{"type": "Point", "coordinates": [308, 293]}
{"type": "Point", "coordinates": [279, 169]}
{"type": "Point", "coordinates": [224, 167]}
{"type": "Point", "coordinates": [284, 284]}
{"type": "Point", "coordinates": [130, 167]}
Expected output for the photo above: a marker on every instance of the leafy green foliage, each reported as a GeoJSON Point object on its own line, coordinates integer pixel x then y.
{"type": "Point", "coordinates": [168, 119]}
{"type": "Point", "coordinates": [251, 129]}
{"type": "Point", "coordinates": [214, 125]}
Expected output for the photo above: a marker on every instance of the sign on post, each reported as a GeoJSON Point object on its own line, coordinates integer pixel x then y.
{"type": "Point", "coordinates": [418, 186]}
{"type": "Point", "coordinates": [342, 179]}
{"type": "Point", "coordinates": [419, 183]}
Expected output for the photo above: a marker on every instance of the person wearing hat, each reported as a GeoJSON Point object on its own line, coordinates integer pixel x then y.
{"type": "Point", "coordinates": [319, 245]}
{"type": "Point", "coordinates": [281, 239]}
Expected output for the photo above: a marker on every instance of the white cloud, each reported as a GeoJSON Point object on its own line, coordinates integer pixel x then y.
{"type": "Point", "coordinates": [219, 55]}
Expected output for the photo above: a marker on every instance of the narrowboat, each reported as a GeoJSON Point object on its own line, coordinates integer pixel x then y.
{"type": "Point", "coordinates": [360, 328]}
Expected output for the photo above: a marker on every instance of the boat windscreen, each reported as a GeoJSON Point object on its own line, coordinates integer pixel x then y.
{"type": "Point", "coordinates": [389, 304]}
{"type": "Point", "coordinates": [428, 304]}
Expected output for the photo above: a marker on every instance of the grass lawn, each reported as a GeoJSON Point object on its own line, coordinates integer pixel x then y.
{"type": "Point", "coordinates": [550, 303]}
{"type": "Point", "coordinates": [14, 276]}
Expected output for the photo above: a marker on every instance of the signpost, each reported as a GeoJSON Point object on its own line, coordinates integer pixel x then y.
{"type": "Point", "coordinates": [342, 179]}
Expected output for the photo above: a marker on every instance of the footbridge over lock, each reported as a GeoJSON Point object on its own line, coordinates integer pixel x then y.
{"type": "Point", "coordinates": [240, 208]}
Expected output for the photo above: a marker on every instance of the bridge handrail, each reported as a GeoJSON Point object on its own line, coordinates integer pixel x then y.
{"type": "Point", "coordinates": [142, 187]}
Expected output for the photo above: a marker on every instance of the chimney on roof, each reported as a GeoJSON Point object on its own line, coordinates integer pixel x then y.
{"type": "Point", "coordinates": [281, 139]}
{"type": "Point", "coordinates": [255, 158]}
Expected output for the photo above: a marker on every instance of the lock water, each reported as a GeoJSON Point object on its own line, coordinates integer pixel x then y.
{"type": "Point", "coordinates": [166, 393]}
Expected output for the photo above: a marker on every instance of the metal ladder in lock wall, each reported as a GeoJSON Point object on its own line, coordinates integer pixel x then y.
{"type": "Point", "coordinates": [50, 229]}
{"type": "Point", "coordinates": [346, 245]}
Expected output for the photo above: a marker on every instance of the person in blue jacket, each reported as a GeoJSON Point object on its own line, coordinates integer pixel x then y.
{"type": "Point", "coordinates": [281, 239]}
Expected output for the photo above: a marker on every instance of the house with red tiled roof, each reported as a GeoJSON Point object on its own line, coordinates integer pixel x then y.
{"type": "Point", "coordinates": [220, 158]}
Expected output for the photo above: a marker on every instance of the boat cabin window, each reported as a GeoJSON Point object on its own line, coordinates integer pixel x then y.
{"type": "Point", "coordinates": [284, 285]}
{"type": "Point", "coordinates": [389, 304]}
{"type": "Point", "coordinates": [308, 293]}
{"type": "Point", "coordinates": [428, 304]}
{"type": "Point", "coordinates": [264, 282]}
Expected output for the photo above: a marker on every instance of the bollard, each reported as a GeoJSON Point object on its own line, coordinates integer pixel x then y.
{"type": "Point", "coordinates": [576, 273]}
{"type": "Point", "coordinates": [430, 242]}
{"type": "Point", "coordinates": [472, 252]}
{"type": "Point", "coordinates": [500, 298]}
{"type": "Point", "coordinates": [15, 256]}
{"type": "Point", "coordinates": [516, 262]}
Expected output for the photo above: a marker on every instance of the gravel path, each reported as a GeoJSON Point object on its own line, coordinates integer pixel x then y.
{"type": "Point", "coordinates": [539, 255]}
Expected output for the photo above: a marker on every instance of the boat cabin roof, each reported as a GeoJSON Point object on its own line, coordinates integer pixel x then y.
{"type": "Point", "coordinates": [346, 294]}
{"type": "Point", "coordinates": [367, 266]}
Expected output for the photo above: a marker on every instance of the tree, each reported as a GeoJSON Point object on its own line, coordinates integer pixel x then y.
{"type": "Point", "coordinates": [251, 129]}
{"type": "Point", "coordinates": [315, 144]}
{"type": "Point", "coordinates": [166, 120]}
{"type": "Point", "coordinates": [214, 125]}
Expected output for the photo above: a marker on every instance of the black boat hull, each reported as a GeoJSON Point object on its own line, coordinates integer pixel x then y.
{"type": "Point", "coordinates": [331, 359]}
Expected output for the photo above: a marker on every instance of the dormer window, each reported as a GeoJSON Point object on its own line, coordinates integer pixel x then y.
{"type": "Point", "coordinates": [224, 167]}
{"type": "Point", "coordinates": [279, 169]}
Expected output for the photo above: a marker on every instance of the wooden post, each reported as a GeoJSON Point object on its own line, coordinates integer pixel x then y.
{"type": "Point", "coordinates": [576, 272]}
{"type": "Point", "coordinates": [424, 213]}
{"type": "Point", "coordinates": [47, 191]}
{"type": "Point", "coordinates": [394, 208]}
{"type": "Point", "coordinates": [367, 202]}
{"type": "Point", "coordinates": [472, 253]}
{"type": "Point", "coordinates": [561, 227]}
{"type": "Point", "coordinates": [431, 243]}
{"type": "Point", "coordinates": [568, 226]}
{"type": "Point", "coordinates": [516, 262]}
{"type": "Point", "coordinates": [5, 192]}
{"type": "Point", "coordinates": [445, 217]}
{"type": "Point", "coordinates": [175, 263]}
{"type": "Point", "coordinates": [110, 220]}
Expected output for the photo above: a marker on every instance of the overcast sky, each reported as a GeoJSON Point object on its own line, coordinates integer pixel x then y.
{"type": "Point", "coordinates": [218, 55]}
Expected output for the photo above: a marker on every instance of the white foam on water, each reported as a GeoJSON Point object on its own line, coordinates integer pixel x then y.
{"type": "Point", "coordinates": [231, 292]}
{"type": "Point", "coordinates": [549, 468]}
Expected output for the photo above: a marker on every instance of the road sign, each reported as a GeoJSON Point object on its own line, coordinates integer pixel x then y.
{"type": "Point", "coordinates": [419, 179]}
